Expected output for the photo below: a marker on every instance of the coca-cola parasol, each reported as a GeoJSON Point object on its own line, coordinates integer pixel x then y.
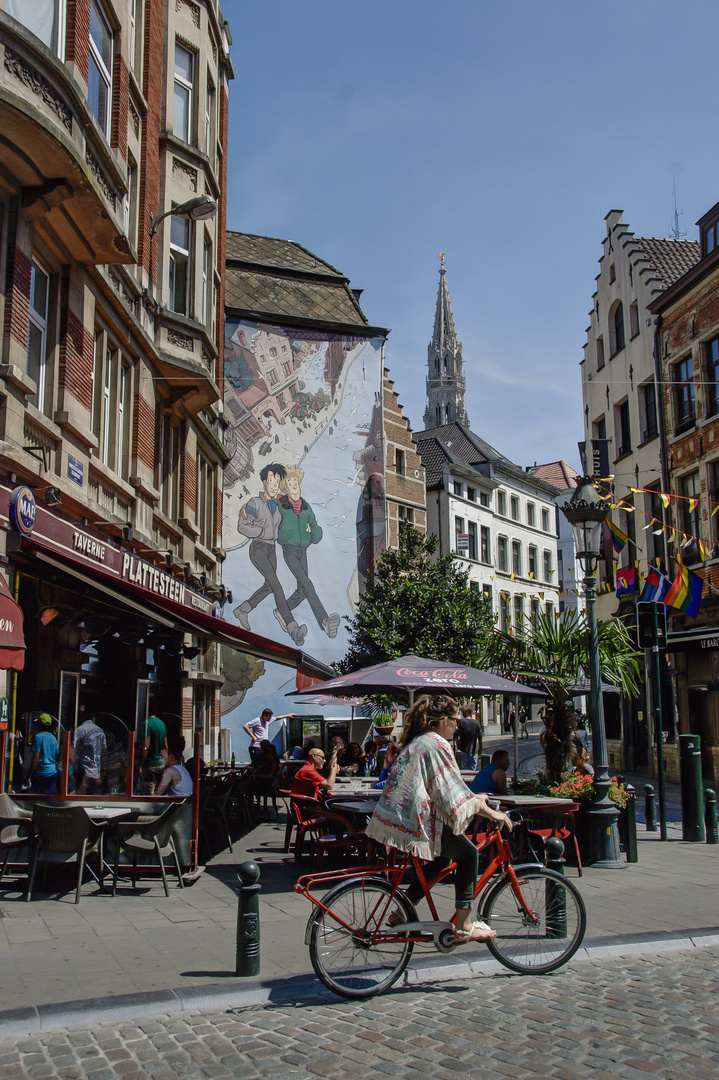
{"type": "Point", "coordinates": [416, 673]}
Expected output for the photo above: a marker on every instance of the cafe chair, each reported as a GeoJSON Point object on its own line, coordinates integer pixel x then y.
{"type": "Point", "coordinates": [148, 837]}
{"type": "Point", "coordinates": [60, 831]}
{"type": "Point", "coordinates": [314, 821]}
{"type": "Point", "coordinates": [286, 797]}
{"type": "Point", "coordinates": [214, 802]}
{"type": "Point", "coordinates": [15, 828]}
{"type": "Point", "coordinates": [563, 828]}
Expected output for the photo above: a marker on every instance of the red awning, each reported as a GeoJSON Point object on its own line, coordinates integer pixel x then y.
{"type": "Point", "coordinates": [12, 640]}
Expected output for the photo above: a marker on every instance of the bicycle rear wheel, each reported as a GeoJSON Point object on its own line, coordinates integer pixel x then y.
{"type": "Point", "coordinates": [347, 961]}
{"type": "Point", "coordinates": [528, 946]}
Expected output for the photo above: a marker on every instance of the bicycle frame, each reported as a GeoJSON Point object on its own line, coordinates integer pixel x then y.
{"type": "Point", "coordinates": [414, 932]}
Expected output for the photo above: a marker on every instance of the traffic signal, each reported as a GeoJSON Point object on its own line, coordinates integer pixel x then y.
{"type": "Point", "coordinates": [652, 624]}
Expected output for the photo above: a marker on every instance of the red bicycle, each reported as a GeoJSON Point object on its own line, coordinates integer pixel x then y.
{"type": "Point", "coordinates": [362, 932]}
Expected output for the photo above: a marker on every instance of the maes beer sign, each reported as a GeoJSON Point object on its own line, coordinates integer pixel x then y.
{"type": "Point", "coordinates": [22, 510]}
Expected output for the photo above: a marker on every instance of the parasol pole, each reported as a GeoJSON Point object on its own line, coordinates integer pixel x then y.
{"type": "Point", "coordinates": [516, 742]}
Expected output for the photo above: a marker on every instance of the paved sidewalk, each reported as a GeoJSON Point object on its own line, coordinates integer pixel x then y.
{"type": "Point", "coordinates": [140, 943]}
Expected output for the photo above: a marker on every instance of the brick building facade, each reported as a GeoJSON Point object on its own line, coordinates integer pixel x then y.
{"type": "Point", "coordinates": [404, 472]}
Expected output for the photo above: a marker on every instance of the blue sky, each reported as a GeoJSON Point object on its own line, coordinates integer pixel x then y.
{"type": "Point", "coordinates": [378, 134]}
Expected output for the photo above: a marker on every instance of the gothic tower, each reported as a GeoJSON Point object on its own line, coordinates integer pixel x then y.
{"type": "Point", "coordinates": [445, 377]}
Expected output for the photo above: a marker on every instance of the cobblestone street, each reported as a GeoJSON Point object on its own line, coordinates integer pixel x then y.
{"type": "Point", "coordinates": [639, 1018]}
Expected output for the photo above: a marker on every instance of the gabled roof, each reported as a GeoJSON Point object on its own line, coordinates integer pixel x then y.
{"type": "Point", "coordinates": [279, 279]}
{"type": "Point", "coordinates": [456, 444]}
{"type": "Point", "coordinates": [669, 258]}
{"type": "Point", "coordinates": [558, 473]}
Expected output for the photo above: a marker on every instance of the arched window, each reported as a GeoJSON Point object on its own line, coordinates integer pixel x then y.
{"type": "Point", "coordinates": [446, 414]}
{"type": "Point", "coordinates": [438, 415]}
{"type": "Point", "coordinates": [616, 327]}
{"type": "Point", "coordinates": [446, 365]}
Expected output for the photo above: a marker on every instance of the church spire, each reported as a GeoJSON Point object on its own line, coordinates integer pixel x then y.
{"type": "Point", "coordinates": [445, 377]}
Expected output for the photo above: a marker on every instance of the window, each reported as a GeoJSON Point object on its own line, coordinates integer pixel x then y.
{"type": "Point", "coordinates": [487, 594]}
{"type": "Point", "coordinates": [179, 264]}
{"type": "Point", "coordinates": [471, 494]}
{"type": "Point", "coordinates": [656, 545]}
{"type": "Point", "coordinates": [111, 405]}
{"type": "Point", "coordinates": [405, 513]}
{"type": "Point", "coordinates": [714, 473]}
{"type": "Point", "coordinates": [547, 566]}
{"type": "Point", "coordinates": [205, 501]}
{"type": "Point", "coordinates": [168, 468]}
{"type": "Point", "coordinates": [531, 513]}
{"type": "Point", "coordinates": [534, 607]}
{"type": "Point", "coordinates": [710, 236]}
{"type": "Point", "coordinates": [690, 512]}
{"type": "Point", "coordinates": [502, 561]}
{"type": "Point", "coordinates": [545, 519]}
{"type": "Point", "coordinates": [633, 319]}
{"type": "Point", "coordinates": [438, 415]}
{"type": "Point", "coordinates": [516, 557]}
{"type": "Point", "coordinates": [648, 405]}
{"type": "Point", "coordinates": [712, 364]}
{"type": "Point", "coordinates": [612, 273]}
{"type": "Point", "coordinates": [684, 405]}
{"type": "Point", "coordinates": [532, 561]}
{"type": "Point", "coordinates": [622, 431]}
{"type": "Point", "coordinates": [616, 328]}
{"type": "Point", "coordinates": [272, 376]}
{"type": "Point", "coordinates": [484, 540]}
{"type": "Point", "coordinates": [483, 498]}
{"type": "Point", "coordinates": [514, 502]}
{"type": "Point", "coordinates": [37, 331]}
{"type": "Point", "coordinates": [518, 610]}
{"type": "Point", "coordinates": [472, 530]}
{"type": "Point", "coordinates": [99, 77]}
{"type": "Point", "coordinates": [501, 504]}
{"type": "Point", "coordinates": [461, 542]}
{"type": "Point", "coordinates": [45, 20]}
{"type": "Point", "coordinates": [504, 615]}
{"type": "Point", "coordinates": [599, 428]}
{"type": "Point", "coordinates": [206, 276]}
{"type": "Point", "coordinates": [600, 353]}
{"type": "Point", "coordinates": [549, 612]}
{"type": "Point", "coordinates": [399, 462]}
{"type": "Point", "coordinates": [209, 121]}
{"type": "Point", "coordinates": [105, 410]}
{"type": "Point", "coordinates": [457, 488]}
{"type": "Point", "coordinates": [124, 413]}
{"type": "Point", "coordinates": [182, 115]}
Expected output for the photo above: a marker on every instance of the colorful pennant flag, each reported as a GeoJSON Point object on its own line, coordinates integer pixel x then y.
{"type": "Point", "coordinates": [619, 539]}
{"type": "Point", "coordinates": [657, 586]}
{"type": "Point", "coordinates": [686, 591]}
{"type": "Point", "coordinates": [625, 580]}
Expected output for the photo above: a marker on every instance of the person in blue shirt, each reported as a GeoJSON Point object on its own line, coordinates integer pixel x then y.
{"type": "Point", "coordinates": [45, 751]}
{"type": "Point", "coordinates": [493, 777]}
{"type": "Point", "coordinates": [390, 756]}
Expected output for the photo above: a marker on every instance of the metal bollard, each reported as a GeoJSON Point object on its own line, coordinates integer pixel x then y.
{"type": "Point", "coordinates": [710, 816]}
{"type": "Point", "coordinates": [690, 776]}
{"type": "Point", "coordinates": [555, 894]}
{"type": "Point", "coordinates": [247, 960]}
{"type": "Point", "coordinates": [629, 814]}
{"type": "Point", "coordinates": [650, 809]}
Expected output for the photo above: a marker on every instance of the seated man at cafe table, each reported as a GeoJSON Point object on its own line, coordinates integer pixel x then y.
{"type": "Point", "coordinates": [492, 779]}
{"type": "Point", "coordinates": [309, 781]}
{"type": "Point", "coordinates": [176, 780]}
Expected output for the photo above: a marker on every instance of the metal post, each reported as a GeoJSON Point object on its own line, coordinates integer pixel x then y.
{"type": "Point", "coordinates": [650, 809]}
{"type": "Point", "coordinates": [516, 741]}
{"type": "Point", "coordinates": [710, 816]}
{"type": "Point", "coordinates": [656, 683]}
{"type": "Point", "coordinates": [690, 775]}
{"type": "Point", "coordinates": [630, 819]}
{"type": "Point", "coordinates": [602, 814]}
{"type": "Point", "coordinates": [247, 960]}
{"type": "Point", "coordinates": [555, 896]}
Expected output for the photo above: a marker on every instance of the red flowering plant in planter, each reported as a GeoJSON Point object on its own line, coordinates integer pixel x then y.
{"type": "Point", "coordinates": [577, 788]}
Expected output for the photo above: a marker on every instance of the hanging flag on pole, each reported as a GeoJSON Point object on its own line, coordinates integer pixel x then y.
{"type": "Point", "coordinates": [686, 591]}
{"type": "Point", "coordinates": [657, 586]}
{"type": "Point", "coordinates": [625, 580]}
{"type": "Point", "coordinates": [619, 539]}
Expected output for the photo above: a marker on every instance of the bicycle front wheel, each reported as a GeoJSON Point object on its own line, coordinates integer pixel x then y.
{"type": "Point", "coordinates": [546, 940]}
{"type": "Point", "coordinates": [346, 960]}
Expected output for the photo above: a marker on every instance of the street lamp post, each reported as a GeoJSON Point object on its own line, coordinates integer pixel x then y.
{"type": "Point", "coordinates": [586, 512]}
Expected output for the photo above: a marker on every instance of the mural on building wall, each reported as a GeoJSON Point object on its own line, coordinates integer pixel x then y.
{"type": "Point", "coordinates": [303, 492]}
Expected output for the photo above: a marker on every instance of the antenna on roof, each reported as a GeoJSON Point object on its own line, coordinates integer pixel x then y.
{"type": "Point", "coordinates": [674, 230]}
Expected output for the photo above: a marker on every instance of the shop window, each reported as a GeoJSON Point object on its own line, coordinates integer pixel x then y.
{"type": "Point", "coordinates": [684, 404]}
{"type": "Point", "coordinates": [205, 501]}
{"type": "Point", "coordinates": [99, 78]}
{"type": "Point", "coordinates": [44, 18]}
{"type": "Point", "coordinates": [37, 338]}
{"type": "Point", "coordinates": [168, 466]}
{"type": "Point", "coordinates": [184, 73]}
{"type": "Point", "coordinates": [180, 231]}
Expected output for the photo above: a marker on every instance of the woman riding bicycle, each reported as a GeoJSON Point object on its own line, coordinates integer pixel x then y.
{"type": "Point", "coordinates": [426, 807]}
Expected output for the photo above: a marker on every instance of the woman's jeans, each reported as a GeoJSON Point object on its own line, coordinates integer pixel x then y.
{"type": "Point", "coordinates": [457, 849]}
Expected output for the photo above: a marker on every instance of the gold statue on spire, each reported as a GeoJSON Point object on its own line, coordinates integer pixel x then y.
{"type": "Point", "coordinates": [441, 260]}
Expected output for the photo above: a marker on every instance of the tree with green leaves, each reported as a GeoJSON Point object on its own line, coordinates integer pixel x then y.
{"type": "Point", "coordinates": [420, 602]}
{"type": "Point", "coordinates": [552, 654]}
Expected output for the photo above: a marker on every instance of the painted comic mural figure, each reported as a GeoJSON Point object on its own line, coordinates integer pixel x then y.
{"type": "Point", "coordinates": [298, 530]}
{"type": "Point", "coordinates": [259, 520]}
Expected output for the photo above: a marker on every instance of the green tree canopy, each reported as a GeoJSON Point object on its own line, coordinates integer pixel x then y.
{"type": "Point", "coordinates": [420, 602]}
